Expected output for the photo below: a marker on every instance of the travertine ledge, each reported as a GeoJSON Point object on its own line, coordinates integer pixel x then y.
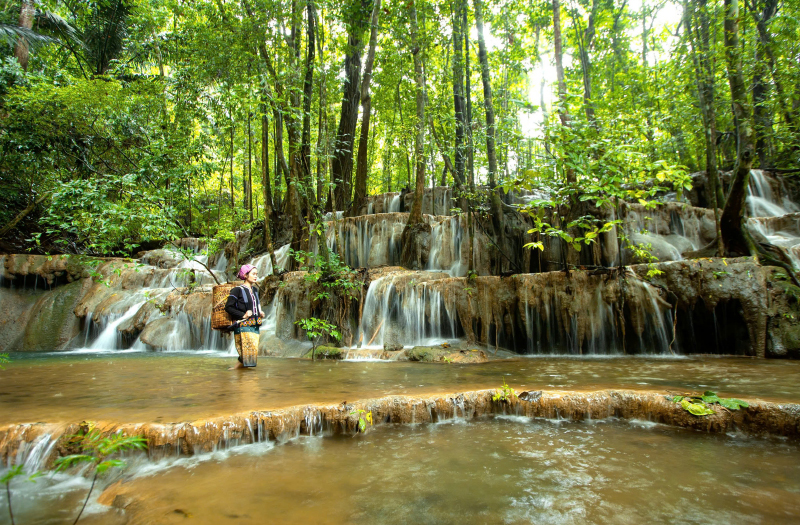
{"type": "Point", "coordinates": [19, 442]}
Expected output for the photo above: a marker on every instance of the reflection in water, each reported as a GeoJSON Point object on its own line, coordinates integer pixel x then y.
{"type": "Point", "coordinates": [145, 387]}
{"type": "Point", "coordinates": [500, 470]}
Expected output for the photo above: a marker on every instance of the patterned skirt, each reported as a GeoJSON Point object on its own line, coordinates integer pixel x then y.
{"type": "Point", "coordinates": [246, 339]}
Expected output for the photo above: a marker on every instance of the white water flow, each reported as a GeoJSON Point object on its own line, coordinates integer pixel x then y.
{"type": "Point", "coordinates": [110, 338]}
{"type": "Point", "coordinates": [264, 262]}
{"type": "Point", "coordinates": [774, 217]}
{"type": "Point", "coordinates": [446, 248]}
{"type": "Point", "coordinates": [406, 313]}
{"type": "Point", "coordinates": [394, 205]}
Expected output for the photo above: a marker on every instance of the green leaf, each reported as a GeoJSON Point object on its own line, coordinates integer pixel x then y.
{"type": "Point", "coordinates": [109, 464]}
{"type": "Point", "coordinates": [696, 409]}
{"type": "Point", "coordinates": [733, 404]}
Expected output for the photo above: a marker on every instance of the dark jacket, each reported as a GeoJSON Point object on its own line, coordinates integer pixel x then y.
{"type": "Point", "coordinates": [239, 302]}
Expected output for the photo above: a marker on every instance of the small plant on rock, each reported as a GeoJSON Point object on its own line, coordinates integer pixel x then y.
{"type": "Point", "coordinates": [96, 449]}
{"type": "Point", "coordinates": [504, 394]}
{"type": "Point", "coordinates": [364, 418]}
{"type": "Point", "coordinates": [700, 405]}
{"type": "Point", "coordinates": [315, 329]}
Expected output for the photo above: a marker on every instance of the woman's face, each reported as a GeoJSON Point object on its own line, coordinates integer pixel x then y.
{"type": "Point", "coordinates": [252, 277]}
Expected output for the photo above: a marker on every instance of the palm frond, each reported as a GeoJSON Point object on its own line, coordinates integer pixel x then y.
{"type": "Point", "coordinates": [50, 21]}
{"type": "Point", "coordinates": [10, 34]}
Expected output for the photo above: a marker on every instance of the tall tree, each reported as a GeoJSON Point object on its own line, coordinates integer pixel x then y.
{"type": "Point", "coordinates": [735, 235]}
{"type": "Point", "coordinates": [459, 101]}
{"type": "Point", "coordinates": [702, 56]}
{"type": "Point", "coordinates": [415, 224]}
{"type": "Point", "coordinates": [356, 14]}
{"type": "Point", "coordinates": [360, 197]}
{"type": "Point", "coordinates": [496, 206]}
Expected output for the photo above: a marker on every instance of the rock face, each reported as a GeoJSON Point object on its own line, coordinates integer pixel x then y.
{"type": "Point", "coordinates": [702, 306]}
{"type": "Point", "coordinates": [546, 301]}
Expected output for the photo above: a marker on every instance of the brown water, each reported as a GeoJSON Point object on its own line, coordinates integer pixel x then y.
{"type": "Point", "coordinates": [498, 470]}
{"type": "Point", "coordinates": [147, 387]}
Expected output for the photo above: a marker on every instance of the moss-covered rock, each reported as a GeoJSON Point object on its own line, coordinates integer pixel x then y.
{"type": "Point", "coordinates": [445, 354]}
{"type": "Point", "coordinates": [329, 352]}
{"type": "Point", "coordinates": [52, 323]}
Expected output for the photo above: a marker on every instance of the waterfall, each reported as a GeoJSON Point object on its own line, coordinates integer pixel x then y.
{"type": "Point", "coordinates": [445, 253]}
{"type": "Point", "coordinates": [394, 205]}
{"type": "Point", "coordinates": [110, 338]}
{"type": "Point", "coordinates": [264, 263]}
{"type": "Point", "coordinates": [773, 219]}
{"type": "Point", "coordinates": [408, 314]}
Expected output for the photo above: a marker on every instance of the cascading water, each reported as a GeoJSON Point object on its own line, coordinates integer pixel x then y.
{"type": "Point", "coordinates": [410, 314]}
{"type": "Point", "coordinates": [773, 218]}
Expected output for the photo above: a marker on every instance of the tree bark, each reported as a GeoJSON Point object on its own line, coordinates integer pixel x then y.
{"type": "Point", "coordinates": [342, 163]}
{"type": "Point", "coordinates": [360, 196]}
{"type": "Point", "coordinates": [735, 236]}
{"type": "Point", "coordinates": [563, 113]}
{"type": "Point", "coordinates": [21, 48]}
{"type": "Point", "coordinates": [21, 215]}
{"type": "Point", "coordinates": [495, 205]}
{"type": "Point", "coordinates": [459, 102]}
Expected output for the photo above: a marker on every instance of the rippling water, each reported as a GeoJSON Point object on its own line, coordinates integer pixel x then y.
{"type": "Point", "coordinates": [497, 470]}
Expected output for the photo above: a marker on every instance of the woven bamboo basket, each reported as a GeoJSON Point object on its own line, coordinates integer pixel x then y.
{"type": "Point", "coordinates": [219, 296]}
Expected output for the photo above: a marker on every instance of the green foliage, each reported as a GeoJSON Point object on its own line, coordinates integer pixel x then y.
{"type": "Point", "coordinates": [504, 394]}
{"type": "Point", "coordinates": [364, 419]}
{"type": "Point", "coordinates": [4, 360]}
{"type": "Point", "coordinates": [699, 405]}
{"type": "Point", "coordinates": [331, 273]}
{"type": "Point", "coordinates": [97, 450]}
{"type": "Point", "coordinates": [14, 472]}
{"type": "Point", "coordinates": [317, 328]}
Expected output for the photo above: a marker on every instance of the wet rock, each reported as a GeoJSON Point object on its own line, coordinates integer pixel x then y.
{"type": "Point", "coordinates": [51, 323]}
{"type": "Point", "coordinates": [726, 295]}
{"type": "Point", "coordinates": [531, 397]}
{"type": "Point", "coordinates": [328, 352]}
{"type": "Point", "coordinates": [783, 311]}
{"type": "Point", "coordinates": [444, 354]}
{"type": "Point", "coordinates": [392, 347]}
{"type": "Point", "coordinates": [193, 437]}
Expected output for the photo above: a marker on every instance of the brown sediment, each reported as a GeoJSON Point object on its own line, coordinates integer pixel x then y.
{"type": "Point", "coordinates": [206, 435]}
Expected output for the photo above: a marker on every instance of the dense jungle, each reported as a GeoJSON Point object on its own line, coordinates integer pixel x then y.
{"type": "Point", "coordinates": [546, 252]}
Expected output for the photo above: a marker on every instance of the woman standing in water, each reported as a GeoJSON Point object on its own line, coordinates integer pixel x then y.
{"type": "Point", "coordinates": [244, 307]}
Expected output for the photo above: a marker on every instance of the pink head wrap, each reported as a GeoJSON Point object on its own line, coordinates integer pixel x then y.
{"type": "Point", "coordinates": [244, 270]}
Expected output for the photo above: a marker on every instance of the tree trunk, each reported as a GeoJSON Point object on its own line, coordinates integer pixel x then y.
{"type": "Point", "coordinates": [360, 196]}
{"type": "Point", "coordinates": [21, 215]}
{"type": "Point", "coordinates": [308, 86]}
{"type": "Point", "coordinates": [467, 77]}
{"type": "Point", "coordinates": [459, 103]}
{"type": "Point", "coordinates": [250, 166]}
{"type": "Point", "coordinates": [265, 184]}
{"type": "Point", "coordinates": [584, 44]}
{"type": "Point", "coordinates": [735, 236]}
{"type": "Point", "coordinates": [26, 13]}
{"type": "Point", "coordinates": [563, 113]}
{"type": "Point", "coordinates": [415, 226]}
{"type": "Point", "coordinates": [342, 164]}
{"type": "Point", "coordinates": [704, 66]}
{"type": "Point", "coordinates": [494, 195]}
{"type": "Point", "coordinates": [487, 95]}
